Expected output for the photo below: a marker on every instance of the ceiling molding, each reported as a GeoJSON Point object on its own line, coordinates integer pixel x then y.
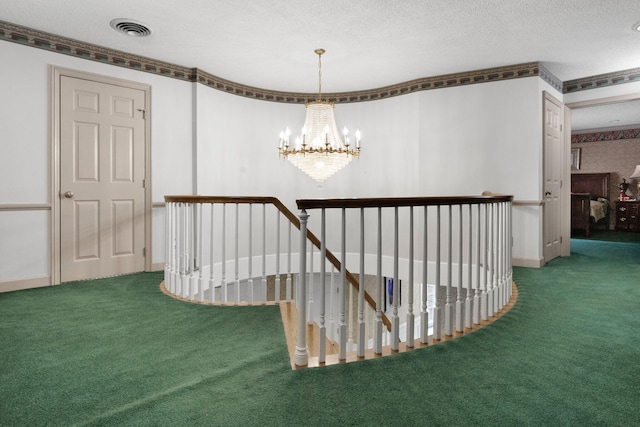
{"type": "Point", "coordinates": [438, 82]}
{"type": "Point", "coordinates": [67, 46]}
{"type": "Point", "coordinates": [550, 78]}
{"type": "Point", "coordinates": [602, 80]}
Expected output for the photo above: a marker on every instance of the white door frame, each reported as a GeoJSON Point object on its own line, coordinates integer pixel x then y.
{"type": "Point", "coordinates": [55, 74]}
{"type": "Point", "coordinates": [565, 245]}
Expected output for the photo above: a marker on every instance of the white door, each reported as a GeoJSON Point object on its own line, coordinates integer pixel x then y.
{"type": "Point", "coordinates": [102, 171]}
{"type": "Point", "coordinates": [553, 171]}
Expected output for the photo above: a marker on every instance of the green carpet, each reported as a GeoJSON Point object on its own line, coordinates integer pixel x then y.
{"type": "Point", "coordinates": [119, 352]}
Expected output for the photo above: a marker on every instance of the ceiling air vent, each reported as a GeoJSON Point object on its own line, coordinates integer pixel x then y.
{"type": "Point", "coordinates": [130, 27]}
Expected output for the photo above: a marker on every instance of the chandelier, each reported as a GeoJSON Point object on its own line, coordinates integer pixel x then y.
{"type": "Point", "coordinates": [319, 151]}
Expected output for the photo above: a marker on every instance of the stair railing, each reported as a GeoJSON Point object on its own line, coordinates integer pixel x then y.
{"type": "Point", "coordinates": [217, 251]}
{"type": "Point", "coordinates": [452, 254]}
{"type": "Point", "coordinates": [464, 256]}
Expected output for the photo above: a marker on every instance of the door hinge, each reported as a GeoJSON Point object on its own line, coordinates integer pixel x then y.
{"type": "Point", "coordinates": [144, 252]}
{"type": "Point", "coordinates": [144, 183]}
{"type": "Point", "coordinates": [144, 114]}
{"type": "Point", "coordinates": [560, 127]}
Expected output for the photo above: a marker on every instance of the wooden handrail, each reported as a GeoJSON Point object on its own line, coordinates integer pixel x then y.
{"type": "Point", "coordinates": [351, 278]}
{"type": "Point", "coordinates": [389, 202]}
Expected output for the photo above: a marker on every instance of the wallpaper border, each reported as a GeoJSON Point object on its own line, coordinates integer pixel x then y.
{"type": "Point", "coordinates": [67, 46]}
{"type": "Point", "coordinates": [611, 135]}
{"type": "Point", "coordinates": [602, 80]}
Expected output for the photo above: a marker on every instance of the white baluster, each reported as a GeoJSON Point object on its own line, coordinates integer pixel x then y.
{"type": "Point", "coordinates": [510, 248]}
{"type": "Point", "coordinates": [477, 297]}
{"type": "Point", "coordinates": [489, 265]}
{"type": "Point", "coordinates": [395, 320]}
{"type": "Point", "coordinates": [301, 356]}
{"type": "Point", "coordinates": [343, 281]}
{"type": "Point", "coordinates": [503, 246]}
{"type": "Point", "coordinates": [250, 260]}
{"type": "Point", "coordinates": [200, 260]}
{"type": "Point", "coordinates": [491, 308]}
{"type": "Point", "coordinates": [167, 246]}
{"type": "Point", "coordinates": [507, 253]}
{"type": "Point", "coordinates": [237, 257]}
{"type": "Point", "coordinates": [333, 292]}
{"type": "Point", "coordinates": [212, 279]}
{"type": "Point", "coordinates": [486, 272]}
{"type": "Point", "coordinates": [448, 308]}
{"type": "Point", "coordinates": [263, 286]}
{"type": "Point", "coordinates": [437, 325]}
{"type": "Point", "coordinates": [379, 286]}
{"type": "Point", "coordinates": [183, 250]}
{"type": "Point", "coordinates": [496, 257]}
{"type": "Point", "coordinates": [177, 242]}
{"type": "Point", "coordinates": [500, 254]}
{"type": "Point", "coordinates": [288, 281]}
{"type": "Point", "coordinates": [459, 304]}
{"type": "Point", "coordinates": [223, 278]}
{"type": "Point", "coordinates": [310, 279]}
{"type": "Point", "coordinates": [361, 323]}
{"type": "Point", "coordinates": [424, 313]}
{"type": "Point", "coordinates": [178, 234]}
{"type": "Point", "coordinates": [323, 288]}
{"type": "Point", "coordinates": [468, 304]}
{"type": "Point", "coordinates": [277, 281]}
{"type": "Point", "coordinates": [176, 248]}
{"type": "Point", "coordinates": [171, 247]}
{"type": "Point", "coordinates": [351, 313]}
{"type": "Point", "coordinates": [190, 254]}
{"type": "Point", "coordinates": [410, 316]}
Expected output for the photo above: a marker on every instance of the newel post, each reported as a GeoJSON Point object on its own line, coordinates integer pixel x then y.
{"type": "Point", "coordinates": [302, 353]}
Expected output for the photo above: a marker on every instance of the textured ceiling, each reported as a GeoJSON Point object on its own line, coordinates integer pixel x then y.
{"type": "Point", "coordinates": [269, 44]}
{"type": "Point", "coordinates": [609, 116]}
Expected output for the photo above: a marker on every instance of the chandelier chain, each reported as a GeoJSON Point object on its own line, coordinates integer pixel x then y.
{"type": "Point", "coordinates": [319, 52]}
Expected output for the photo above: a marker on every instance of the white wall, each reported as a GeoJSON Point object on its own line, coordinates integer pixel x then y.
{"type": "Point", "coordinates": [237, 150]}
{"type": "Point", "coordinates": [25, 149]}
{"type": "Point", "coordinates": [453, 141]}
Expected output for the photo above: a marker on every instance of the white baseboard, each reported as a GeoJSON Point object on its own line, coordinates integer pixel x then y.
{"type": "Point", "coordinates": [530, 263]}
{"type": "Point", "coordinates": [158, 266]}
{"type": "Point", "coordinates": [18, 285]}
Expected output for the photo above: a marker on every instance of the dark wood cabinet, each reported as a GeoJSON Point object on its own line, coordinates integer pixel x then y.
{"type": "Point", "coordinates": [628, 215]}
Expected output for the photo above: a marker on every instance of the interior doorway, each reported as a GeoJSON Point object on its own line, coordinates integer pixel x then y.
{"type": "Point", "coordinates": [606, 116]}
{"type": "Point", "coordinates": [100, 167]}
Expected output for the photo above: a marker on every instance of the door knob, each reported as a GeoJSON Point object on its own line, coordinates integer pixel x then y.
{"type": "Point", "coordinates": [68, 194]}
